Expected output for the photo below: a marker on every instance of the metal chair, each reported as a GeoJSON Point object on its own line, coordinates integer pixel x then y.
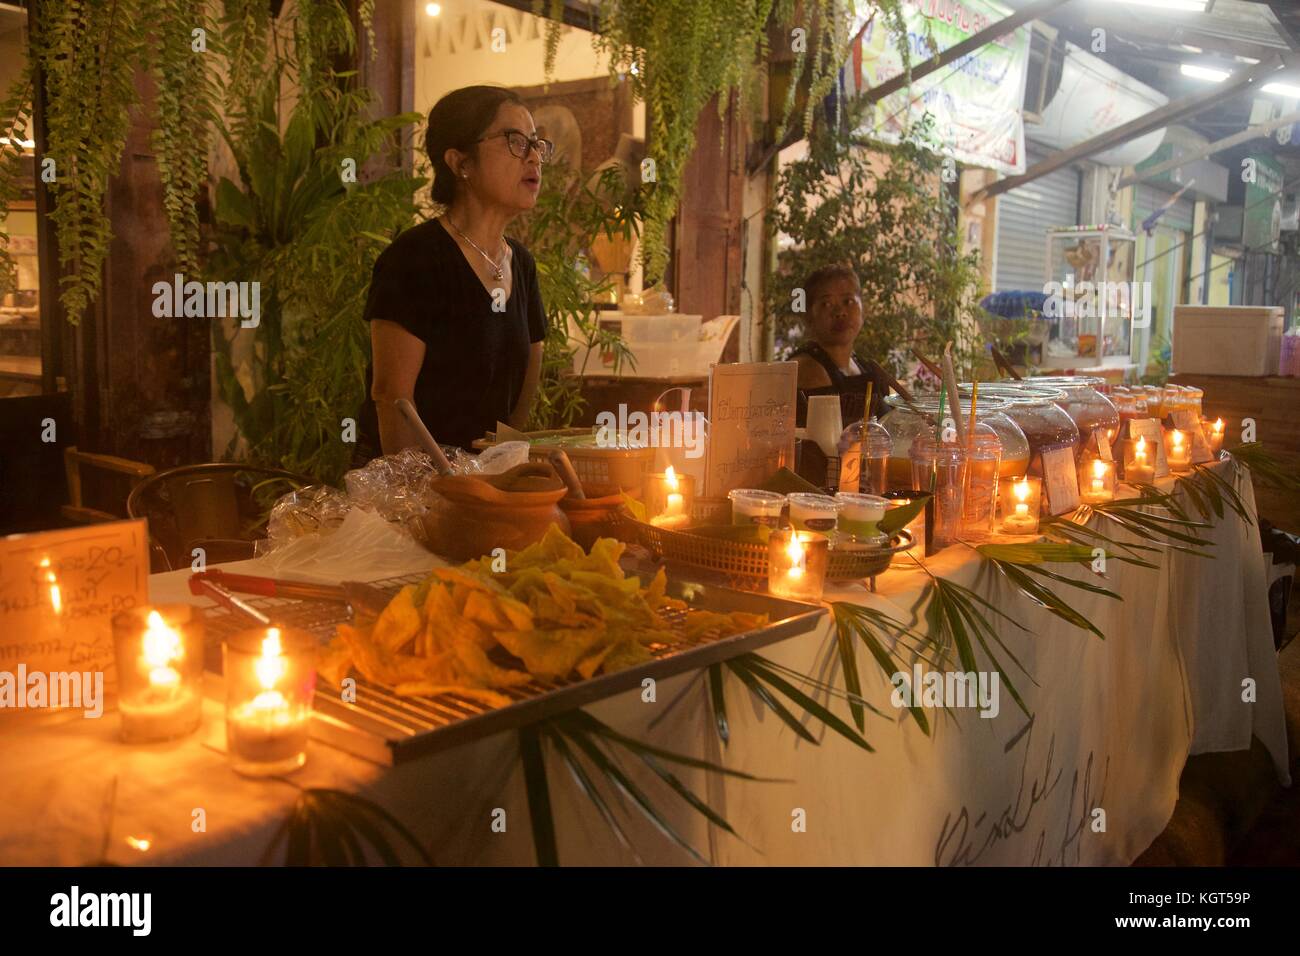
{"type": "Point", "coordinates": [219, 507]}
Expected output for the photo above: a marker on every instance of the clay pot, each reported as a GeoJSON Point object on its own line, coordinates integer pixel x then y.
{"type": "Point", "coordinates": [468, 518]}
{"type": "Point", "coordinates": [592, 518]}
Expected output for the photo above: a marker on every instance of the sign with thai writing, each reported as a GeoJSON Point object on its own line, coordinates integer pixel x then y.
{"type": "Point", "coordinates": [751, 424]}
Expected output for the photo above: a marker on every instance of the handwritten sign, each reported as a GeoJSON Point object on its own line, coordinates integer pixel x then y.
{"type": "Point", "coordinates": [1060, 479]}
{"type": "Point", "coordinates": [1149, 428]}
{"type": "Point", "coordinates": [1186, 420]}
{"type": "Point", "coordinates": [751, 424]}
{"type": "Point", "coordinates": [59, 591]}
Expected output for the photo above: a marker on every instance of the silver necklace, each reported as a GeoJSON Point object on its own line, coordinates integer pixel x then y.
{"type": "Point", "coordinates": [498, 272]}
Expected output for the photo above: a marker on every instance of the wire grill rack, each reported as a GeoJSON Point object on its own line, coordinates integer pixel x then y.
{"type": "Point", "coordinates": [386, 728]}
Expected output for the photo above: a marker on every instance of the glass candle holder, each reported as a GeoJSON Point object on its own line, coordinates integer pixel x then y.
{"type": "Point", "coordinates": [818, 513]}
{"type": "Point", "coordinates": [942, 467]}
{"type": "Point", "coordinates": [1178, 449]}
{"type": "Point", "coordinates": [860, 516]}
{"type": "Point", "coordinates": [1213, 434]}
{"type": "Point", "coordinates": [1139, 462]}
{"type": "Point", "coordinates": [796, 564]}
{"type": "Point", "coordinates": [159, 654]}
{"type": "Point", "coordinates": [1096, 481]}
{"type": "Point", "coordinates": [668, 498]}
{"type": "Point", "coordinates": [270, 678]}
{"type": "Point", "coordinates": [756, 506]}
{"type": "Point", "coordinates": [982, 469]}
{"type": "Point", "coordinates": [1020, 500]}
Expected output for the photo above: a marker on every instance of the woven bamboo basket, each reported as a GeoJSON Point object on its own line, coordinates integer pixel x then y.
{"type": "Point", "coordinates": [744, 564]}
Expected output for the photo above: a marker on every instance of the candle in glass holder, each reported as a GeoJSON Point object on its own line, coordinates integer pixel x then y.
{"type": "Point", "coordinates": [796, 564]}
{"type": "Point", "coordinates": [159, 653]}
{"type": "Point", "coordinates": [1020, 500]}
{"type": "Point", "coordinates": [1213, 434]}
{"type": "Point", "coordinates": [270, 678]}
{"type": "Point", "coordinates": [1096, 481]}
{"type": "Point", "coordinates": [668, 499]}
{"type": "Point", "coordinates": [1178, 449]}
{"type": "Point", "coordinates": [1139, 463]}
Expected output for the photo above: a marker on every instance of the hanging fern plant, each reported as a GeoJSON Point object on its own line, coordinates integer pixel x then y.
{"type": "Point", "coordinates": [88, 55]}
{"type": "Point", "coordinates": [679, 54]}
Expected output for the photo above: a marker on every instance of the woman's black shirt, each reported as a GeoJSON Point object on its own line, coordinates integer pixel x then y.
{"type": "Point", "coordinates": [474, 358]}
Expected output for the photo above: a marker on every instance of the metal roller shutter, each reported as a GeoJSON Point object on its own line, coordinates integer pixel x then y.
{"type": "Point", "coordinates": [1024, 216]}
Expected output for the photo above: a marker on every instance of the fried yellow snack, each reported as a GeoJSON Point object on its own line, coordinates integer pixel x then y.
{"type": "Point", "coordinates": [475, 665]}
{"type": "Point", "coordinates": [551, 654]}
{"type": "Point", "coordinates": [400, 621]}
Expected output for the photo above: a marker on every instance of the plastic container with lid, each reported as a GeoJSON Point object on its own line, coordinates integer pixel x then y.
{"type": "Point", "coordinates": [906, 423]}
{"type": "Point", "coordinates": [810, 512]}
{"type": "Point", "coordinates": [983, 465]}
{"type": "Point", "coordinates": [1084, 402]}
{"type": "Point", "coordinates": [874, 446]}
{"type": "Point", "coordinates": [941, 467]}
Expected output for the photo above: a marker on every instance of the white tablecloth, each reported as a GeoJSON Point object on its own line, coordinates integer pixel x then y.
{"type": "Point", "coordinates": [1091, 779]}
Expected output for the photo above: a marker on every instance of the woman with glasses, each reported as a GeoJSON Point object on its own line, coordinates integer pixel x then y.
{"type": "Point", "coordinates": [455, 312]}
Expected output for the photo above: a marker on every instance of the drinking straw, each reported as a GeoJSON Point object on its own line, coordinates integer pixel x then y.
{"type": "Point", "coordinates": [938, 439]}
{"type": "Point", "coordinates": [950, 378]}
{"type": "Point", "coordinates": [866, 409]}
{"type": "Point", "coordinates": [974, 397]}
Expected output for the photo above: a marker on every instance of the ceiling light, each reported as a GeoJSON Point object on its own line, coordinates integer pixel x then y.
{"type": "Point", "coordinates": [1181, 6]}
{"type": "Point", "coordinates": [433, 9]}
{"type": "Point", "coordinates": [1204, 72]}
{"type": "Point", "coordinates": [1283, 89]}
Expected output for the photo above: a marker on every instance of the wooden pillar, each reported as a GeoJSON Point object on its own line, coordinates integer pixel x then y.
{"type": "Point", "coordinates": [706, 264]}
{"type": "Point", "coordinates": [390, 75]}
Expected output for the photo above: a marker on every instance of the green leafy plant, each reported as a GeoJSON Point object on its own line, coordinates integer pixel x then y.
{"type": "Point", "coordinates": [294, 224]}
{"type": "Point", "coordinates": [881, 209]}
{"type": "Point", "coordinates": [1264, 468]}
{"type": "Point", "coordinates": [333, 828]}
{"type": "Point", "coordinates": [88, 55]}
{"type": "Point", "coordinates": [591, 750]}
{"type": "Point", "coordinates": [559, 231]}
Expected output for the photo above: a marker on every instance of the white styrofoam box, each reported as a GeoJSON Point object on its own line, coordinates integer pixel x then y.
{"type": "Point", "coordinates": [1227, 340]}
{"type": "Point", "coordinates": [641, 329]}
{"type": "Point", "coordinates": [665, 346]}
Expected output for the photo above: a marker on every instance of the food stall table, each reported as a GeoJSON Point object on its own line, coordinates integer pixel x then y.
{"type": "Point", "coordinates": [1091, 778]}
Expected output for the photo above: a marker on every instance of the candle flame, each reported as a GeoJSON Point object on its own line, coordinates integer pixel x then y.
{"type": "Point", "coordinates": [1021, 489]}
{"type": "Point", "coordinates": [270, 666]}
{"type": "Point", "coordinates": [670, 478]}
{"type": "Point", "coordinates": [1098, 468]}
{"type": "Point", "coordinates": [161, 646]}
{"type": "Point", "coordinates": [1141, 447]}
{"type": "Point", "coordinates": [795, 551]}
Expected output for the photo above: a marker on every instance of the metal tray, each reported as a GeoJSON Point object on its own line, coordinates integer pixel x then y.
{"type": "Point", "coordinates": [388, 729]}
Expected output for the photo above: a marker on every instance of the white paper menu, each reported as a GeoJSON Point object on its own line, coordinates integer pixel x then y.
{"type": "Point", "coordinates": [59, 591]}
{"type": "Point", "coordinates": [1060, 480]}
{"type": "Point", "coordinates": [751, 424]}
{"type": "Point", "coordinates": [1154, 433]}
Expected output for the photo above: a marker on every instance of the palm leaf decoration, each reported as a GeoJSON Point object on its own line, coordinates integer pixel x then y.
{"type": "Point", "coordinates": [877, 630]}
{"type": "Point", "coordinates": [1065, 530]}
{"type": "Point", "coordinates": [774, 685]}
{"type": "Point", "coordinates": [590, 750]}
{"type": "Point", "coordinates": [1176, 530]}
{"type": "Point", "coordinates": [1209, 492]}
{"type": "Point", "coordinates": [1264, 468]}
{"type": "Point", "coordinates": [333, 828]}
{"type": "Point", "coordinates": [1020, 564]}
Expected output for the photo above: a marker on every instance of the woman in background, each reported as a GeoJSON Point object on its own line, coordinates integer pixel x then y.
{"type": "Point", "coordinates": [455, 311]}
{"type": "Point", "coordinates": [827, 362]}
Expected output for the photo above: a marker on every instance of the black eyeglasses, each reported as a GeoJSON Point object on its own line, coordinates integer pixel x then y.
{"type": "Point", "coordinates": [520, 143]}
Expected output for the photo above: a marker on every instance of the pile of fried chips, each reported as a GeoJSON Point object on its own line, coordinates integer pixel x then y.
{"type": "Point", "coordinates": [553, 611]}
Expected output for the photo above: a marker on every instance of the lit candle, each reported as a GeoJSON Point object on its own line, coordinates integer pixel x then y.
{"type": "Point", "coordinates": [160, 666]}
{"type": "Point", "coordinates": [797, 562]}
{"type": "Point", "coordinates": [1180, 450]}
{"type": "Point", "coordinates": [667, 502]}
{"type": "Point", "coordinates": [1138, 466]}
{"type": "Point", "coordinates": [1215, 436]}
{"type": "Point", "coordinates": [269, 681]}
{"type": "Point", "coordinates": [1100, 484]}
{"type": "Point", "coordinates": [1022, 515]}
